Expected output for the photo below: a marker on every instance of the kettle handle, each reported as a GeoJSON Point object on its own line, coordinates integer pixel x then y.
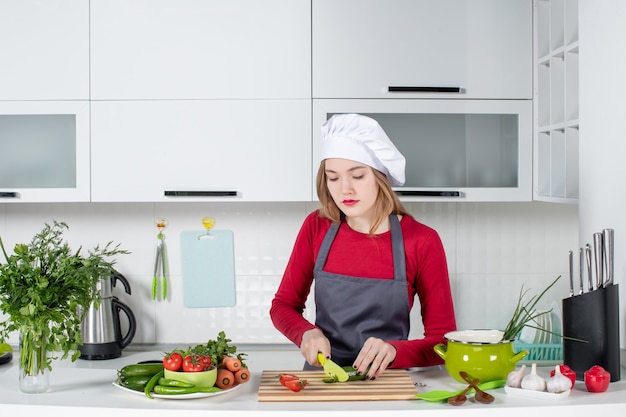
{"type": "Point", "coordinates": [119, 277]}
{"type": "Point", "coordinates": [132, 323]}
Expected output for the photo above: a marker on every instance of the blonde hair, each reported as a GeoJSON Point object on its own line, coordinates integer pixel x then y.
{"type": "Point", "coordinates": [387, 201]}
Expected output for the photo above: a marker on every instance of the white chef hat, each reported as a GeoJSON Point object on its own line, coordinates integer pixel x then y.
{"type": "Point", "coordinates": [360, 138]}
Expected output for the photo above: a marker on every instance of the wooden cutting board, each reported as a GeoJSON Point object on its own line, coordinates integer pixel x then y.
{"type": "Point", "coordinates": [393, 384]}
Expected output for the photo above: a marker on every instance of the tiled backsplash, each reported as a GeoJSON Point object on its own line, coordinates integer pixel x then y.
{"type": "Point", "coordinates": [492, 248]}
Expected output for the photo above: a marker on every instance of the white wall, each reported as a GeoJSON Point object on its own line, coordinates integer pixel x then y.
{"type": "Point", "coordinates": [602, 138]}
{"type": "Point", "coordinates": [493, 249]}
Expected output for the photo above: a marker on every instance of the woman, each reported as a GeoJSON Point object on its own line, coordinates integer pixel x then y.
{"type": "Point", "coordinates": [368, 258]}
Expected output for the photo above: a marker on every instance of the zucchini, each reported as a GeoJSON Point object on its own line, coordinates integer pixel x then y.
{"type": "Point", "coordinates": [148, 369]}
{"type": "Point", "coordinates": [167, 390]}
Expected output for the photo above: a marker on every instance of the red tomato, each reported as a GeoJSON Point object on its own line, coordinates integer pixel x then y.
{"type": "Point", "coordinates": [566, 371]}
{"type": "Point", "coordinates": [173, 361]}
{"type": "Point", "coordinates": [283, 378]}
{"type": "Point", "coordinates": [296, 385]}
{"type": "Point", "coordinates": [205, 361]}
{"type": "Point", "coordinates": [192, 364]}
{"type": "Point", "coordinates": [597, 379]}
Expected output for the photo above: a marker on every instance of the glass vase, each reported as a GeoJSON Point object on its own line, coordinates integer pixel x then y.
{"type": "Point", "coordinates": [34, 362]}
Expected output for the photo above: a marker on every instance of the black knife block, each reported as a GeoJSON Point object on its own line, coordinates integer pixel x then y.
{"type": "Point", "coordinates": [594, 318]}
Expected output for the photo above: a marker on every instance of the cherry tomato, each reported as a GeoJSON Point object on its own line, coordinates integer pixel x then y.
{"type": "Point", "coordinates": [205, 361]}
{"type": "Point", "coordinates": [192, 364]}
{"type": "Point", "coordinates": [283, 378]}
{"type": "Point", "coordinates": [173, 361]}
{"type": "Point", "coordinates": [597, 379]}
{"type": "Point", "coordinates": [566, 371]}
{"type": "Point", "coordinates": [296, 385]}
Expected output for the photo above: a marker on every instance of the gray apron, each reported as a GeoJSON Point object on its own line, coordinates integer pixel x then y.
{"type": "Point", "coordinates": [350, 309]}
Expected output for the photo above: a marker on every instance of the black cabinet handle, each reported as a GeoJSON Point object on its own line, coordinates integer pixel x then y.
{"type": "Point", "coordinates": [183, 193]}
{"type": "Point", "coordinates": [410, 193]}
{"type": "Point", "coordinates": [410, 89]}
{"type": "Point", "coordinates": [8, 194]}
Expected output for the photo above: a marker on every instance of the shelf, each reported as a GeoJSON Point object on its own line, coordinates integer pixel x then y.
{"type": "Point", "coordinates": [556, 101]}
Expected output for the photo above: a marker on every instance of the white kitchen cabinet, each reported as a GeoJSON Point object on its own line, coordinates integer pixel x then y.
{"type": "Point", "coordinates": [44, 153]}
{"type": "Point", "coordinates": [44, 50]}
{"type": "Point", "coordinates": [455, 150]}
{"type": "Point", "coordinates": [556, 135]}
{"type": "Point", "coordinates": [423, 48]}
{"type": "Point", "coordinates": [201, 150]}
{"type": "Point", "coordinates": [200, 49]}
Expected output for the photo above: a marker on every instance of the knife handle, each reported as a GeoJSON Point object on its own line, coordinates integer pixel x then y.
{"type": "Point", "coordinates": [589, 267]}
{"type": "Point", "coordinates": [608, 236]}
{"type": "Point", "coordinates": [581, 269]}
{"type": "Point", "coordinates": [571, 273]}
{"type": "Point", "coordinates": [598, 248]}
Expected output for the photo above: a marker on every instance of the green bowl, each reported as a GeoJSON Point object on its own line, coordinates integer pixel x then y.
{"type": "Point", "coordinates": [481, 353]}
{"type": "Point", "coordinates": [199, 379]}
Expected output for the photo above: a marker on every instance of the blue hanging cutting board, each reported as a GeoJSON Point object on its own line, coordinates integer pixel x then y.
{"type": "Point", "coordinates": [208, 268]}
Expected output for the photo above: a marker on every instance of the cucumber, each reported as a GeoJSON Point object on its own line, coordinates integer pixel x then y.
{"type": "Point", "coordinates": [148, 369]}
{"type": "Point", "coordinates": [135, 381]}
{"type": "Point", "coordinates": [167, 390]}
{"type": "Point", "coordinates": [352, 375]}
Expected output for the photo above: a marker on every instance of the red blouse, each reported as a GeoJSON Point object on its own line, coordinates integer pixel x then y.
{"type": "Point", "coordinates": [357, 254]}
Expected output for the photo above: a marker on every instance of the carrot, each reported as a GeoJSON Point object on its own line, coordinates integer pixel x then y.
{"type": "Point", "coordinates": [225, 378]}
{"type": "Point", "coordinates": [242, 375]}
{"type": "Point", "coordinates": [231, 363]}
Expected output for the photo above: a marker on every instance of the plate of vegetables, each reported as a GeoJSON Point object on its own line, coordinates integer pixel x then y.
{"type": "Point", "coordinates": [201, 371]}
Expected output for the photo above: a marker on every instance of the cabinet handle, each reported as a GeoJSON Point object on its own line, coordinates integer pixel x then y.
{"type": "Point", "coordinates": [409, 89]}
{"type": "Point", "coordinates": [177, 193]}
{"type": "Point", "coordinates": [428, 193]}
{"type": "Point", "coordinates": [8, 194]}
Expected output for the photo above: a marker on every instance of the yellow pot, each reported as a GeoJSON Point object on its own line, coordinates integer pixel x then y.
{"type": "Point", "coordinates": [481, 353]}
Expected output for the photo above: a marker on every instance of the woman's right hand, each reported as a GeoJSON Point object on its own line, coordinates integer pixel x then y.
{"type": "Point", "coordinates": [314, 342]}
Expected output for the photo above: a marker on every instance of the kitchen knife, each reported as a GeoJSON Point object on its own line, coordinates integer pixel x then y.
{"type": "Point", "coordinates": [332, 369]}
{"type": "Point", "coordinates": [571, 273]}
{"type": "Point", "coordinates": [589, 268]}
{"type": "Point", "coordinates": [608, 236]}
{"type": "Point", "coordinates": [598, 249]}
{"type": "Point", "coordinates": [581, 270]}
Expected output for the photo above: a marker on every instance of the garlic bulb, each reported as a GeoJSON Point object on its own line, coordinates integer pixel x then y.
{"type": "Point", "coordinates": [558, 382]}
{"type": "Point", "coordinates": [514, 379]}
{"type": "Point", "coordinates": [533, 381]}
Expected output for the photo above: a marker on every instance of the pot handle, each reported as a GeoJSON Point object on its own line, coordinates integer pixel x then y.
{"type": "Point", "coordinates": [132, 323]}
{"type": "Point", "coordinates": [519, 355]}
{"type": "Point", "coordinates": [441, 350]}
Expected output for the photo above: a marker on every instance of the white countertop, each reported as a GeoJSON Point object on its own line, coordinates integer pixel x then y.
{"type": "Point", "coordinates": [84, 388]}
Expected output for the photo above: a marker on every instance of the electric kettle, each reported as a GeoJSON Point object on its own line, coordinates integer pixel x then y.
{"type": "Point", "coordinates": [101, 328]}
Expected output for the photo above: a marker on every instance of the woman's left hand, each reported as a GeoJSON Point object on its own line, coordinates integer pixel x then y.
{"type": "Point", "coordinates": [377, 353]}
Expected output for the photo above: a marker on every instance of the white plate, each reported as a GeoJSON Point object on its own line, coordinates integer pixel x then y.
{"type": "Point", "coordinates": [540, 395]}
{"type": "Point", "coordinates": [181, 396]}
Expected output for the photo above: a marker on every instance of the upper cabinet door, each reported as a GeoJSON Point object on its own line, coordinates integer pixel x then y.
{"type": "Point", "coordinates": [422, 48]}
{"type": "Point", "coordinates": [201, 150]}
{"type": "Point", "coordinates": [200, 49]}
{"type": "Point", "coordinates": [44, 50]}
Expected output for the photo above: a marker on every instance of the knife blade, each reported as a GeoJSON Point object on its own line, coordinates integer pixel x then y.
{"type": "Point", "coordinates": [332, 369]}
{"type": "Point", "coordinates": [598, 249]}
{"type": "Point", "coordinates": [571, 273]}
{"type": "Point", "coordinates": [589, 268]}
{"type": "Point", "coordinates": [608, 236]}
{"type": "Point", "coordinates": [581, 270]}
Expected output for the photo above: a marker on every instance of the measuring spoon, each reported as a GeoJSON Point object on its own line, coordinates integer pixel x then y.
{"type": "Point", "coordinates": [442, 395]}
